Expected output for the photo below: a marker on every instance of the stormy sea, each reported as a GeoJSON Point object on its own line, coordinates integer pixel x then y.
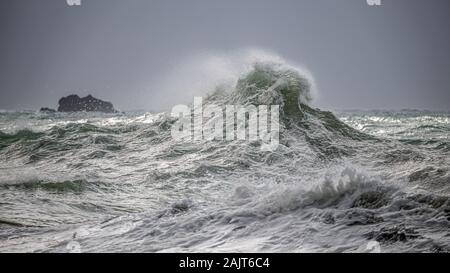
{"type": "Point", "coordinates": [339, 181]}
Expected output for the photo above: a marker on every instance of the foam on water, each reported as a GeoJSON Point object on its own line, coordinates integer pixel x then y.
{"type": "Point", "coordinates": [119, 182]}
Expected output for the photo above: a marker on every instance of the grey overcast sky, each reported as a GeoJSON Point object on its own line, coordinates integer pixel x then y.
{"type": "Point", "coordinates": [362, 57]}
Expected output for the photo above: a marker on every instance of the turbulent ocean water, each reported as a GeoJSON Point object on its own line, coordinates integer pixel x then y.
{"type": "Point", "coordinates": [347, 181]}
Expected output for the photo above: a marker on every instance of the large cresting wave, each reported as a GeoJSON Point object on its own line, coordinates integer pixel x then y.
{"type": "Point", "coordinates": [340, 182]}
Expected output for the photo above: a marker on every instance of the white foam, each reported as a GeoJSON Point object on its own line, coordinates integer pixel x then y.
{"type": "Point", "coordinates": [203, 72]}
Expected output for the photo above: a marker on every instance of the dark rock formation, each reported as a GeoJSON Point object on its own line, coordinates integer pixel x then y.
{"type": "Point", "coordinates": [74, 103]}
{"type": "Point", "coordinates": [47, 110]}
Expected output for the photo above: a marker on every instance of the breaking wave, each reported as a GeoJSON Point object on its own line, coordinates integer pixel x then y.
{"type": "Point", "coordinates": [119, 182]}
